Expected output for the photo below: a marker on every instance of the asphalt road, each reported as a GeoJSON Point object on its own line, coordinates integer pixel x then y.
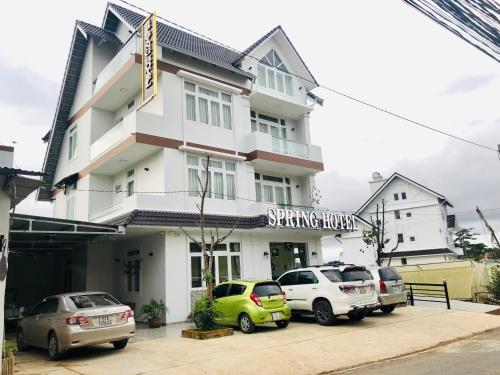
{"type": "Point", "coordinates": [477, 355]}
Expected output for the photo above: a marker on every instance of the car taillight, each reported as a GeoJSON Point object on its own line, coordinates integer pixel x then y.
{"type": "Point", "coordinates": [346, 288]}
{"type": "Point", "coordinates": [77, 320]}
{"type": "Point", "coordinates": [128, 314]}
{"type": "Point", "coordinates": [254, 297]}
{"type": "Point", "coordinates": [383, 287]}
{"type": "Point", "coordinates": [284, 296]}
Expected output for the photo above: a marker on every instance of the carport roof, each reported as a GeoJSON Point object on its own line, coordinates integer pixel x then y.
{"type": "Point", "coordinates": [31, 233]}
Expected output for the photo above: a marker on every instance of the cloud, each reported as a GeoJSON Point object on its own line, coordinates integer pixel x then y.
{"type": "Point", "coordinates": [21, 87]}
{"type": "Point", "coordinates": [469, 83]}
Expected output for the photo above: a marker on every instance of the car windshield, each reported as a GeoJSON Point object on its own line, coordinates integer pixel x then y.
{"type": "Point", "coordinates": [86, 301]}
{"type": "Point", "coordinates": [355, 274]}
{"type": "Point", "coordinates": [267, 289]}
{"type": "Point", "coordinates": [389, 274]}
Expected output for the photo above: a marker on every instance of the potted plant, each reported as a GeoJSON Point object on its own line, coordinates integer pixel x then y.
{"type": "Point", "coordinates": [8, 351]}
{"type": "Point", "coordinates": [153, 311]}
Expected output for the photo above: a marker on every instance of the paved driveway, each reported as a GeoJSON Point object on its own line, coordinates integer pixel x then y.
{"type": "Point", "coordinates": [302, 348]}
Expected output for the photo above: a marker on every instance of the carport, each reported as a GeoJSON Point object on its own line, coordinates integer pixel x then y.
{"type": "Point", "coordinates": [49, 256]}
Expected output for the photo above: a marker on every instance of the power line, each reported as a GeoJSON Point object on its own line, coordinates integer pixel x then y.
{"type": "Point", "coordinates": [337, 92]}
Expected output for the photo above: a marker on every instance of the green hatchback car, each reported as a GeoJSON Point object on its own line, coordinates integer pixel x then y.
{"type": "Point", "coordinates": [246, 303]}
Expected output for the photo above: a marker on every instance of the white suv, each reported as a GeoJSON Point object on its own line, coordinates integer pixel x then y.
{"type": "Point", "coordinates": [330, 291]}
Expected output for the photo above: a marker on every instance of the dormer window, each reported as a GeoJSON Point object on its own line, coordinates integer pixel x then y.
{"type": "Point", "coordinates": [273, 74]}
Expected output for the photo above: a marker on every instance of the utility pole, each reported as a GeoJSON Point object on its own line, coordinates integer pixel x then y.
{"type": "Point", "coordinates": [493, 235]}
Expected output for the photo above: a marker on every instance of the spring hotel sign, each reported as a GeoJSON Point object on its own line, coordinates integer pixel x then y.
{"type": "Point", "coordinates": [149, 59]}
{"type": "Point", "coordinates": [278, 217]}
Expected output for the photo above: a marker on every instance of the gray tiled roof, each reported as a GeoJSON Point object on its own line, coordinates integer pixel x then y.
{"type": "Point", "coordinates": [188, 220]}
{"type": "Point", "coordinates": [98, 32]}
{"type": "Point", "coordinates": [179, 40]}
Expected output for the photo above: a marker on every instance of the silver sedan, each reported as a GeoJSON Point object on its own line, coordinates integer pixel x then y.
{"type": "Point", "coordinates": [72, 320]}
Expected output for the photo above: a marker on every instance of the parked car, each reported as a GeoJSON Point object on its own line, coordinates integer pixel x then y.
{"type": "Point", "coordinates": [330, 291]}
{"type": "Point", "coordinates": [72, 320]}
{"type": "Point", "coordinates": [390, 288]}
{"type": "Point", "coordinates": [246, 303]}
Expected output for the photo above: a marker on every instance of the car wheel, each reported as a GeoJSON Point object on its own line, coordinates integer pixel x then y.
{"type": "Point", "coordinates": [282, 323]}
{"type": "Point", "coordinates": [323, 313]}
{"type": "Point", "coordinates": [20, 339]}
{"type": "Point", "coordinates": [246, 324]}
{"type": "Point", "coordinates": [120, 344]}
{"type": "Point", "coordinates": [53, 347]}
{"type": "Point", "coordinates": [387, 309]}
{"type": "Point", "coordinates": [356, 316]}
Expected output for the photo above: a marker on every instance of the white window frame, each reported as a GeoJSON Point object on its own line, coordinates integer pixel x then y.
{"type": "Point", "coordinates": [216, 255]}
{"type": "Point", "coordinates": [214, 168]}
{"type": "Point", "coordinates": [207, 93]}
{"type": "Point", "coordinates": [271, 71]}
{"type": "Point", "coordinates": [133, 258]}
{"type": "Point", "coordinates": [273, 185]}
{"type": "Point", "coordinates": [130, 179]}
{"type": "Point", "coordinates": [73, 142]}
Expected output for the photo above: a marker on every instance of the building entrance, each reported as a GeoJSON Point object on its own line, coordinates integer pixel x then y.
{"type": "Point", "coordinates": [286, 256]}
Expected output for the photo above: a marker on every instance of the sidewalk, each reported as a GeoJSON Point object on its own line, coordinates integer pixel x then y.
{"type": "Point", "coordinates": [303, 348]}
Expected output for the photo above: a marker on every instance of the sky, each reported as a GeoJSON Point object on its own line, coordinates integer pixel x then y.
{"type": "Point", "coordinates": [385, 53]}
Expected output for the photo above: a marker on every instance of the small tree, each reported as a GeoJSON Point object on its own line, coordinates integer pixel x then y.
{"type": "Point", "coordinates": [376, 236]}
{"type": "Point", "coordinates": [463, 239]}
{"type": "Point", "coordinates": [207, 248]}
{"type": "Point", "coordinates": [494, 285]}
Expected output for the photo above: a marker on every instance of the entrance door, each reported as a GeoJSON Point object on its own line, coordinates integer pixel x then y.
{"type": "Point", "coordinates": [286, 256]}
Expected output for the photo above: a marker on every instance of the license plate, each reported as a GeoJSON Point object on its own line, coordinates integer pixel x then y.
{"type": "Point", "coordinates": [362, 290]}
{"type": "Point", "coordinates": [104, 321]}
{"type": "Point", "coordinates": [397, 288]}
{"type": "Point", "coordinates": [276, 316]}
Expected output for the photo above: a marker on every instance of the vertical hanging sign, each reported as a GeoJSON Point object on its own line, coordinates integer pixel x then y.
{"type": "Point", "coordinates": [149, 58]}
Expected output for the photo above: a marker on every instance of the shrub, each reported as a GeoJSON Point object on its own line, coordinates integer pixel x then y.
{"type": "Point", "coordinates": [153, 309]}
{"type": "Point", "coordinates": [494, 285]}
{"type": "Point", "coordinates": [205, 314]}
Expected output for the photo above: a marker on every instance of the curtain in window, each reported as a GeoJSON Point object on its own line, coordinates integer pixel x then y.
{"type": "Point", "coordinates": [230, 166]}
{"type": "Point", "coordinates": [263, 128]}
{"type": "Point", "coordinates": [279, 81]}
{"type": "Point", "coordinates": [193, 182]}
{"type": "Point", "coordinates": [235, 268]}
{"type": "Point", "coordinates": [270, 79]}
{"type": "Point", "coordinates": [189, 86]}
{"type": "Point", "coordinates": [226, 114]}
{"type": "Point", "coordinates": [218, 185]}
{"type": "Point", "coordinates": [254, 125]}
{"type": "Point", "coordinates": [268, 194]}
{"type": "Point", "coordinates": [215, 113]}
{"type": "Point", "coordinates": [261, 75]}
{"type": "Point", "coordinates": [280, 195]}
{"type": "Point", "coordinates": [288, 196]}
{"type": "Point", "coordinates": [190, 107]}
{"type": "Point", "coordinates": [203, 104]}
{"type": "Point", "coordinates": [258, 192]}
{"type": "Point", "coordinates": [231, 186]}
{"type": "Point", "coordinates": [223, 268]}
{"type": "Point", "coordinates": [288, 85]}
{"type": "Point", "coordinates": [192, 160]}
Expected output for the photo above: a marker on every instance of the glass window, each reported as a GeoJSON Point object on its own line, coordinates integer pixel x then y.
{"type": "Point", "coordinates": [230, 166]}
{"type": "Point", "coordinates": [268, 288]}
{"type": "Point", "coordinates": [203, 106]}
{"type": "Point", "coordinates": [355, 274]}
{"type": "Point", "coordinates": [408, 214]}
{"type": "Point", "coordinates": [130, 188]}
{"type": "Point", "coordinates": [118, 188]}
{"type": "Point", "coordinates": [93, 300]}
{"type": "Point", "coordinates": [271, 83]}
{"type": "Point", "coordinates": [235, 267]}
{"type": "Point", "coordinates": [403, 261]}
{"type": "Point", "coordinates": [268, 194]}
{"type": "Point", "coordinates": [221, 177]}
{"type": "Point", "coordinates": [403, 195]}
{"type": "Point", "coordinates": [263, 128]}
{"type": "Point", "coordinates": [396, 196]}
{"type": "Point", "coordinates": [231, 186]}
{"type": "Point", "coordinates": [261, 75]}
{"type": "Point", "coordinates": [226, 115]}
{"type": "Point", "coordinates": [234, 247]}
{"type": "Point", "coordinates": [196, 278]}
{"type": "Point", "coordinates": [288, 85]}
{"type": "Point", "coordinates": [332, 275]}
{"type": "Point", "coordinates": [258, 192]}
{"type": "Point", "coordinates": [218, 185]}
{"type": "Point", "coordinates": [412, 239]}
{"type": "Point", "coordinates": [280, 195]}
{"type": "Point", "coordinates": [221, 291]}
{"type": "Point", "coordinates": [306, 277]}
{"type": "Point", "coordinates": [389, 274]}
{"type": "Point", "coordinates": [215, 111]}
{"type": "Point", "coordinates": [226, 97]}
{"type": "Point", "coordinates": [253, 124]}
{"type": "Point", "coordinates": [288, 279]}
{"type": "Point", "coordinates": [192, 160]}
{"type": "Point", "coordinates": [236, 290]}
{"type": "Point", "coordinates": [397, 215]}
{"type": "Point", "coordinates": [193, 182]}
{"type": "Point", "coordinates": [279, 82]}
{"type": "Point", "coordinates": [190, 107]}
{"type": "Point", "coordinates": [400, 238]}
{"type": "Point", "coordinates": [73, 140]}
{"type": "Point", "coordinates": [205, 91]}
{"type": "Point", "coordinates": [223, 268]}
{"type": "Point", "coordinates": [194, 247]}
{"type": "Point", "coordinates": [188, 86]}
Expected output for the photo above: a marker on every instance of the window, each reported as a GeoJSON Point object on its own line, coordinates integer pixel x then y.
{"type": "Point", "coordinates": [307, 277]}
{"type": "Point", "coordinates": [118, 188]}
{"type": "Point", "coordinates": [214, 107]}
{"type": "Point", "coordinates": [73, 143]}
{"type": "Point", "coordinates": [403, 195]}
{"type": "Point", "coordinates": [130, 105]}
{"type": "Point", "coordinates": [236, 290]}
{"type": "Point", "coordinates": [221, 177]}
{"type": "Point", "coordinates": [70, 201]}
{"type": "Point", "coordinates": [397, 215]}
{"type": "Point", "coordinates": [226, 263]}
{"type": "Point", "coordinates": [412, 239]}
{"type": "Point", "coordinates": [93, 300]}
{"type": "Point", "coordinates": [408, 214]}
{"type": "Point", "coordinates": [273, 189]}
{"type": "Point", "coordinates": [403, 261]}
{"type": "Point", "coordinates": [133, 271]}
{"type": "Point", "coordinates": [389, 274]}
{"type": "Point", "coordinates": [332, 275]}
{"type": "Point", "coordinates": [130, 188]}
{"type": "Point", "coordinates": [396, 196]}
{"type": "Point", "coordinates": [268, 288]}
{"type": "Point", "coordinates": [379, 222]}
{"type": "Point", "coordinates": [289, 279]}
{"type": "Point", "coordinates": [273, 74]}
{"type": "Point", "coordinates": [355, 274]}
{"type": "Point", "coordinates": [221, 291]}
{"type": "Point", "coordinates": [400, 238]}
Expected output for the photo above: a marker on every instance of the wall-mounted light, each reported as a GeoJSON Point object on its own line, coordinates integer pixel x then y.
{"type": "Point", "coordinates": [146, 169]}
{"type": "Point", "coordinates": [314, 254]}
{"type": "Point", "coordinates": [151, 254]}
{"type": "Point", "coordinates": [300, 88]}
{"type": "Point", "coordinates": [293, 129]}
{"type": "Point", "coordinates": [266, 254]}
{"type": "Point", "coordinates": [297, 186]}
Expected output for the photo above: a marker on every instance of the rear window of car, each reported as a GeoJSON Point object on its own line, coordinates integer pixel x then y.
{"type": "Point", "coordinates": [267, 289]}
{"type": "Point", "coordinates": [332, 275]}
{"type": "Point", "coordinates": [355, 274]}
{"type": "Point", "coordinates": [388, 274]}
{"type": "Point", "coordinates": [85, 301]}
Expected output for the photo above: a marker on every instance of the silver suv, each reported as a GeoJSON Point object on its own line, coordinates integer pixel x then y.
{"type": "Point", "coordinates": [390, 288]}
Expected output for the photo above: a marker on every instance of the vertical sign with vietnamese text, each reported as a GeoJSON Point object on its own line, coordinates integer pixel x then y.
{"type": "Point", "coordinates": [149, 58]}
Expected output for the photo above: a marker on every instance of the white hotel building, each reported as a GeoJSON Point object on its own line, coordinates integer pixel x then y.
{"type": "Point", "coordinates": [112, 159]}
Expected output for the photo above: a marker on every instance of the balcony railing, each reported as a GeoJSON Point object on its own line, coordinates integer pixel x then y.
{"type": "Point", "coordinates": [130, 48]}
{"type": "Point", "coordinates": [292, 148]}
{"type": "Point", "coordinates": [113, 136]}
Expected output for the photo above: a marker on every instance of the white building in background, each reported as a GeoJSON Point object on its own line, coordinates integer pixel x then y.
{"type": "Point", "coordinates": [113, 159]}
{"type": "Point", "coordinates": [415, 216]}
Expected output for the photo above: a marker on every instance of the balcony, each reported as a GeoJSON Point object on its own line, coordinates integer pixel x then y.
{"type": "Point", "coordinates": [130, 48]}
{"type": "Point", "coordinates": [260, 145]}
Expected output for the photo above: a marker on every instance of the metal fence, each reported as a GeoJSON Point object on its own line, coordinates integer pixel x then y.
{"type": "Point", "coordinates": [427, 292]}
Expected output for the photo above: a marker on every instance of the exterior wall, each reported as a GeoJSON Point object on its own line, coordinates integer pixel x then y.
{"type": "Point", "coordinates": [100, 267]}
